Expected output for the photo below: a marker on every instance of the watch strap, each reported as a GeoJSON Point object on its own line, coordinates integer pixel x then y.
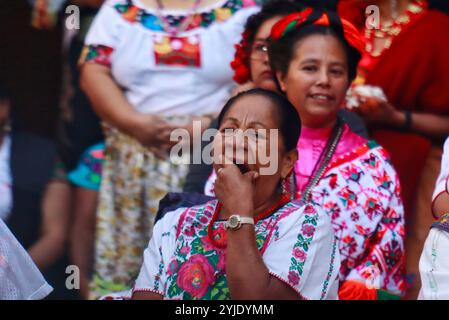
{"type": "Point", "coordinates": [246, 220]}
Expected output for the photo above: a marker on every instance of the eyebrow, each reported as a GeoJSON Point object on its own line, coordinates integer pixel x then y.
{"type": "Point", "coordinates": [311, 60]}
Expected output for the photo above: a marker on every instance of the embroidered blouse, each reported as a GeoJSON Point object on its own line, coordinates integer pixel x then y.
{"type": "Point", "coordinates": [296, 243]}
{"type": "Point", "coordinates": [184, 74]}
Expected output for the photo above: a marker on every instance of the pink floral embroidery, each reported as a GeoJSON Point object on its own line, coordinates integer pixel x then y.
{"type": "Point", "coordinates": [293, 277]}
{"type": "Point", "coordinates": [221, 265]}
{"type": "Point", "coordinates": [195, 276]}
{"type": "Point", "coordinates": [172, 267]}
{"type": "Point", "coordinates": [184, 250]}
{"type": "Point", "coordinates": [308, 230]}
{"type": "Point", "coordinates": [299, 254]}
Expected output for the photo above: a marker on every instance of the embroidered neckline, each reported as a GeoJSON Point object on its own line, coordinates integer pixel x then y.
{"type": "Point", "coordinates": [283, 200]}
{"type": "Point", "coordinates": [150, 20]}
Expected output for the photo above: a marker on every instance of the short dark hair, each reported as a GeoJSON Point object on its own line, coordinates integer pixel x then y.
{"type": "Point", "coordinates": [288, 117]}
{"type": "Point", "coordinates": [5, 95]}
{"type": "Point", "coordinates": [281, 51]}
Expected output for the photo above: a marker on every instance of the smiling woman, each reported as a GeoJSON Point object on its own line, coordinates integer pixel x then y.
{"type": "Point", "coordinates": [315, 56]}
{"type": "Point", "coordinates": [252, 242]}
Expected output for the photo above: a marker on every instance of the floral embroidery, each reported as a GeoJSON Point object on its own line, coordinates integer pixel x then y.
{"type": "Point", "coordinates": [96, 54]}
{"type": "Point", "coordinates": [134, 14]}
{"type": "Point", "coordinates": [157, 278]}
{"type": "Point", "coordinates": [361, 194]}
{"type": "Point", "coordinates": [197, 269]}
{"type": "Point", "coordinates": [331, 269]}
{"type": "Point", "coordinates": [303, 242]}
{"type": "Point", "coordinates": [172, 267]}
{"type": "Point", "coordinates": [195, 276]}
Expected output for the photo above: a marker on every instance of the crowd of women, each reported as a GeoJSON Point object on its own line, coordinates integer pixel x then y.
{"type": "Point", "coordinates": [361, 112]}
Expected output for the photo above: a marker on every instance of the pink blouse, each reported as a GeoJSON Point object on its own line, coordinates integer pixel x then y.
{"type": "Point", "coordinates": [310, 145]}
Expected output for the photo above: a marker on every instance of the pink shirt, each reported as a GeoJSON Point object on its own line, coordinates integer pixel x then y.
{"type": "Point", "coordinates": [310, 145]}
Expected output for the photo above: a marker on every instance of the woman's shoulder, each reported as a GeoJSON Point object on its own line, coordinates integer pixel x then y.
{"type": "Point", "coordinates": [309, 217]}
{"type": "Point", "coordinates": [186, 216]}
{"type": "Point", "coordinates": [369, 165]}
{"type": "Point", "coordinates": [435, 18]}
{"type": "Point", "coordinates": [367, 154]}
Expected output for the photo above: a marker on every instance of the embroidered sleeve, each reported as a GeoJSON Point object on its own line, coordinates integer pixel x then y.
{"type": "Point", "coordinates": [152, 276]}
{"type": "Point", "coordinates": [312, 263]}
{"type": "Point", "coordinates": [103, 36]}
{"type": "Point", "coordinates": [383, 266]}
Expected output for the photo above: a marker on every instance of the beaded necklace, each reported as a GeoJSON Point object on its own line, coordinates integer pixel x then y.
{"type": "Point", "coordinates": [389, 32]}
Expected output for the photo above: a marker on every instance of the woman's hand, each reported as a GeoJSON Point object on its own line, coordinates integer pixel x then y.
{"type": "Point", "coordinates": [377, 113]}
{"type": "Point", "coordinates": [154, 133]}
{"type": "Point", "coordinates": [235, 190]}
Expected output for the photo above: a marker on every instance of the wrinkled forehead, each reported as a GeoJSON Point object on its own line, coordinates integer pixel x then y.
{"type": "Point", "coordinates": [253, 110]}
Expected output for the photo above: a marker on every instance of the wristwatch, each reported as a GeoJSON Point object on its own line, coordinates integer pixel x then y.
{"type": "Point", "coordinates": [235, 222]}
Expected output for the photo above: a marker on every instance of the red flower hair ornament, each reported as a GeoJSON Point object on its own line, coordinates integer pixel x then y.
{"type": "Point", "coordinates": [240, 64]}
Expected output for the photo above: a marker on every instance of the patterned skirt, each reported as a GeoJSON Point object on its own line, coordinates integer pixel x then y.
{"type": "Point", "coordinates": [133, 182]}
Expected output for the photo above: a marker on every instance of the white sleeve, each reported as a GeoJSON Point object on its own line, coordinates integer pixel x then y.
{"type": "Point", "coordinates": [304, 254]}
{"type": "Point", "coordinates": [442, 183]}
{"type": "Point", "coordinates": [152, 276]}
{"type": "Point", "coordinates": [20, 279]}
{"type": "Point", "coordinates": [104, 35]}
{"type": "Point", "coordinates": [107, 26]}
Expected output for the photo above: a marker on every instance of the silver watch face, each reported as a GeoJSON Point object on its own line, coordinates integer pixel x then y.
{"type": "Point", "coordinates": [233, 221]}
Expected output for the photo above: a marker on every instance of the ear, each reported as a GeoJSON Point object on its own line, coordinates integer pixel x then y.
{"type": "Point", "coordinates": [280, 77]}
{"type": "Point", "coordinates": [288, 162]}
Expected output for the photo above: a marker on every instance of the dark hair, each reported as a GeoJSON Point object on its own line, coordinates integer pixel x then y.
{"type": "Point", "coordinates": [4, 93]}
{"type": "Point", "coordinates": [269, 10]}
{"type": "Point", "coordinates": [288, 117]}
{"type": "Point", "coordinates": [281, 51]}
{"type": "Point", "coordinates": [274, 8]}
{"type": "Point", "coordinates": [439, 5]}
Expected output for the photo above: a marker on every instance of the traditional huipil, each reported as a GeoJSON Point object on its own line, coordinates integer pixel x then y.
{"type": "Point", "coordinates": [296, 243]}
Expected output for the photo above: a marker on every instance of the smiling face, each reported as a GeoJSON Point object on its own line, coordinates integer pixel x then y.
{"type": "Point", "coordinates": [247, 133]}
{"type": "Point", "coordinates": [261, 73]}
{"type": "Point", "coordinates": [317, 79]}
